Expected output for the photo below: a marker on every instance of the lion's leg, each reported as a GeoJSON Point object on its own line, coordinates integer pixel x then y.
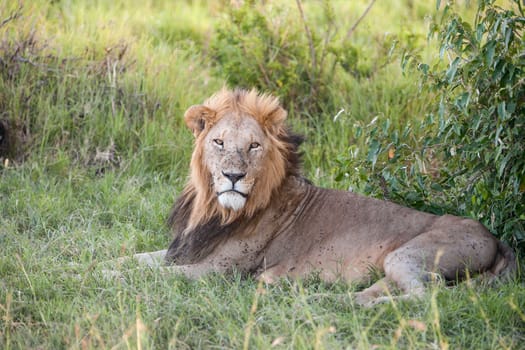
{"type": "Point", "coordinates": [272, 274]}
{"type": "Point", "coordinates": [407, 274]}
{"type": "Point", "coordinates": [152, 259]}
{"type": "Point", "coordinates": [156, 261]}
{"type": "Point", "coordinates": [432, 256]}
{"type": "Point", "coordinates": [145, 259]}
{"type": "Point", "coordinates": [372, 293]}
{"type": "Point", "coordinates": [193, 271]}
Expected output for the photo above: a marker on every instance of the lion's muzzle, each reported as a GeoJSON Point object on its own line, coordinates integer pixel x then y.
{"type": "Point", "coordinates": [232, 194]}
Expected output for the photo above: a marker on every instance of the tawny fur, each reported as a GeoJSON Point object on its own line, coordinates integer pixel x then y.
{"type": "Point", "coordinates": [269, 114]}
{"type": "Point", "coordinates": [290, 228]}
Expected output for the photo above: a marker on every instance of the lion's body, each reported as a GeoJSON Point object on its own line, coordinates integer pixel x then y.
{"type": "Point", "coordinates": [247, 208]}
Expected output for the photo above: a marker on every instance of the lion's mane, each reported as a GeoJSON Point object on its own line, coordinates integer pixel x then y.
{"type": "Point", "coordinates": [198, 222]}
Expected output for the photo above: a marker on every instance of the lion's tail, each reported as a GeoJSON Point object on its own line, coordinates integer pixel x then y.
{"type": "Point", "coordinates": [505, 262]}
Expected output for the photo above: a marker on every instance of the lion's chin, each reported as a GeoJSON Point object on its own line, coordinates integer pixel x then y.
{"type": "Point", "coordinates": [232, 200]}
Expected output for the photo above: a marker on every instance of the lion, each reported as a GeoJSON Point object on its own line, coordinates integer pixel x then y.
{"type": "Point", "coordinates": [246, 207]}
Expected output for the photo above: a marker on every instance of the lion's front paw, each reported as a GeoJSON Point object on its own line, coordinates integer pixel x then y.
{"type": "Point", "coordinates": [364, 299]}
{"type": "Point", "coordinates": [267, 278]}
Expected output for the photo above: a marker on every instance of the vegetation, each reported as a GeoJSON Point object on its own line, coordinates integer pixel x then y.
{"type": "Point", "coordinates": [93, 151]}
{"type": "Point", "coordinates": [467, 155]}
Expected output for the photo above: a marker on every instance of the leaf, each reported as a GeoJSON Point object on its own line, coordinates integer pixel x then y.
{"type": "Point", "coordinates": [464, 101]}
{"type": "Point", "coordinates": [499, 69]}
{"type": "Point", "coordinates": [436, 187]}
{"type": "Point", "coordinates": [490, 50]}
{"type": "Point", "coordinates": [501, 111]}
{"type": "Point", "coordinates": [424, 68]}
{"type": "Point", "coordinates": [497, 140]}
{"type": "Point", "coordinates": [441, 115]}
{"type": "Point", "coordinates": [480, 30]}
{"type": "Point", "coordinates": [451, 72]}
{"type": "Point", "coordinates": [503, 165]}
{"type": "Point", "coordinates": [358, 132]}
{"type": "Point", "coordinates": [373, 151]}
{"type": "Point", "coordinates": [508, 37]}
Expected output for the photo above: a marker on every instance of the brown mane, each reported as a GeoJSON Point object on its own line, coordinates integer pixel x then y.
{"type": "Point", "coordinates": [197, 221]}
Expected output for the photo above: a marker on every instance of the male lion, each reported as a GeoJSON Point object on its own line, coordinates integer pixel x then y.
{"type": "Point", "coordinates": [247, 207]}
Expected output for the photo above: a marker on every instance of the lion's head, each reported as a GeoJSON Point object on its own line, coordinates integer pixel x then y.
{"type": "Point", "coordinates": [242, 154]}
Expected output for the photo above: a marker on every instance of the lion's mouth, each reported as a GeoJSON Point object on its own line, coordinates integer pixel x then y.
{"type": "Point", "coordinates": [232, 199]}
{"type": "Point", "coordinates": [244, 195]}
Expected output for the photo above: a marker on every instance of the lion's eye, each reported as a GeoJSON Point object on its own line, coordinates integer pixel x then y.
{"type": "Point", "coordinates": [254, 145]}
{"type": "Point", "coordinates": [218, 142]}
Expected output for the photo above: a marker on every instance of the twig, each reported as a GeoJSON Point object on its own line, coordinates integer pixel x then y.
{"type": "Point", "coordinates": [352, 29]}
{"type": "Point", "coordinates": [328, 37]}
{"type": "Point", "coordinates": [308, 33]}
{"type": "Point", "coordinates": [260, 66]}
{"type": "Point", "coordinates": [310, 44]}
{"type": "Point", "coordinates": [38, 65]}
{"type": "Point", "coordinates": [12, 16]}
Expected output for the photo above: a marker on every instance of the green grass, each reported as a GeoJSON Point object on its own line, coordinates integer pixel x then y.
{"type": "Point", "coordinates": [104, 153]}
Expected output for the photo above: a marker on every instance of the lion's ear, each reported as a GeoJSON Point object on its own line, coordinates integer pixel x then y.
{"type": "Point", "coordinates": [276, 119]}
{"type": "Point", "coordinates": [196, 118]}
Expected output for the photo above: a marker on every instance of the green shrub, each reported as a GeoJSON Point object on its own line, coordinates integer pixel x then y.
{"type": "Point", "coordinates": [69, 109]}
{"type": "Point", "coordinates": [482, 112]}
{"type": "Point", "coordinates": [468, 155]}
{"type": "Point", "coordinates": [274, 48]}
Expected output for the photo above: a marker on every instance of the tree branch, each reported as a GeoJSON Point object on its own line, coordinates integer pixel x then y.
{"type": "Point", "coordinates": [310, 44]}
{"type": "Point", "coordinates": [14, 15]}
{"type": "Point", "coordinates": [352, 29]}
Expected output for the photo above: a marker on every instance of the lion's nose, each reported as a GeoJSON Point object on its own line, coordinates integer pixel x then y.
{"type": "Point", "coordinates": [234, 177]}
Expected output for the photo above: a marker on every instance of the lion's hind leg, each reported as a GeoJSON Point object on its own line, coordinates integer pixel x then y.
{"type": "Point", "coordinates": [376, 293]}
{"type": "Point", "coordinates": [408, 270]}
{"type": "Point", "coordinates": [385, 290]}
{"type": "Point", "coordinates": [446, 252]}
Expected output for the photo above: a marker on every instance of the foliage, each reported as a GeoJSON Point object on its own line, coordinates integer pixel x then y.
{"type": "Point", "coordinates": [82, 109]}
{"type": "Point", "coordinates": [70, 95]}
{"type": "Point", "coordinates": [274, 48]}
{"type": "Point", "coordinates": [399, 165]}
{"type": "Point", "coordinates": [482, 112]}
{"type": "Point", "coordinates": [467, 156]}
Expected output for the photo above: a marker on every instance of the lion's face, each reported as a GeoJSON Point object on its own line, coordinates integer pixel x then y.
{"type": "Point", "coordinates": [239, 158]}
{"type": "Point", "coordinates": [234, 154]}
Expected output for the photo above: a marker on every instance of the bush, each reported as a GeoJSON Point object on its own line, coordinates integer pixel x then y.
{"type": "Point", "coordinates": [482, 112]}
{"type": "Point", "coordinates": [467, 157]}
{"type": "Point", "coordinates": [75, 109]}
{"type": "Point", "coordinates": [273, 48]}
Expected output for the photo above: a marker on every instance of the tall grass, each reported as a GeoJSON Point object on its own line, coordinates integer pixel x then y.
{"type": "Point", "coordinates": [94, 96]}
